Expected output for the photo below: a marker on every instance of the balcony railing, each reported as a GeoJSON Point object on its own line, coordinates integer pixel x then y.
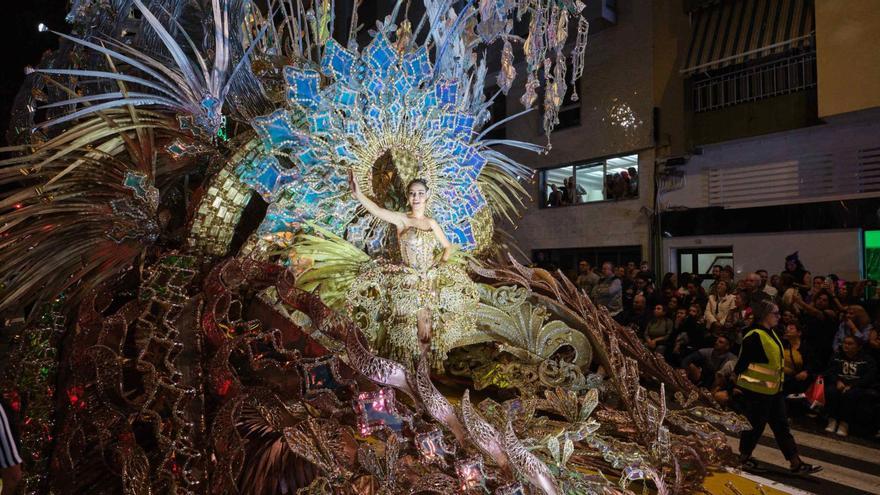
{"type": "Point", "coordinates": [756, 82]}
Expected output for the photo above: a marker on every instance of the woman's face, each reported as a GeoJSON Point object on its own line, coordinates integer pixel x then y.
{"type": "Point", "coordinates": [659, 311]}
{"type": "Point", "coordinates": [791, 332]}
{"type": "Point", "coordinates": [808, 279]}
{"type": "Point", "coordinates": [850, 347]}
{"type": "Point", "coordinates": [790, 265]}
{"type": "Point", "coordinates": [417, 196]}
{"type": "Point", "coordinates": [787, 317]}
{"type": "Point", "coordinates": [721, 287]}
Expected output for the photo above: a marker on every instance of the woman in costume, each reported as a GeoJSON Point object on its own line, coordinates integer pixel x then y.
{"type": "Point", "coordinates": [422, 305]}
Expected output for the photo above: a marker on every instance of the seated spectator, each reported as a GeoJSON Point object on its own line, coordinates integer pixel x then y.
{"type": "Point", "coordinates": [848, 383]}
{"type": "Point", "coordinates": [855, 323]}
{"type": "Point", "coordinates": [819, 323]}
{"type": "Point", "coordinates": [686, 336]}
{"type": "Point", "coordinates": [725, 382]}
{"type": "Point", "coordinates": [636, 317]}
{"type": "Point", "coordinates": [658, 330]}
{"type": "Point", "coordinates": [587, 278]}
{"type": "Point", "coordinates": [719, 305]}
{"type": "Point", "coordinates": [672, 305]}
{"type": "Point", "coordinates": [797, 362]}
{"type": "Point", "coordinates": [701, 365]}
{"type": "Point", "coordinates": [608, 292]}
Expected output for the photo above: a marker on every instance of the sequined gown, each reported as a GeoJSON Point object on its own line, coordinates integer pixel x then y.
{"type": "Point", "coordinates": [386, 297]}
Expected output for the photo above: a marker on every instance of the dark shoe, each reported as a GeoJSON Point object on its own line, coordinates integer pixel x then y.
{"type": "Point", "coordinates": [751, 465]}
{"type": "Point", "coordinates": [804, 468]}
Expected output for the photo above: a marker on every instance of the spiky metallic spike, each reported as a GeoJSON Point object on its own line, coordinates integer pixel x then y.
{"type": "Point", "coordinates": [435, 403]}
{"type": "Point", "coordinates": [483, 434]}
{"type": "Point", "coordinates": [380, 370]}
{"type": "Point", "coordinates": [527, 464]}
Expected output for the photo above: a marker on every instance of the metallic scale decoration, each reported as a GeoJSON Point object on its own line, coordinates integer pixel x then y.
{"type": "Point", "coordinates": [196, 304]}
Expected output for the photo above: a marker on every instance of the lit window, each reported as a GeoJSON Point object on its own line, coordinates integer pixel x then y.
{"type": "Point", "coordinates": [611, 179]}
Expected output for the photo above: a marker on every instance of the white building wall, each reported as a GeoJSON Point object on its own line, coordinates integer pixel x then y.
{"type": "Point", "coordinates": [845, 144]}
{"type": "Point", "coordinates": [821, 251]}
{"type": "Point", "coordinates": [616, 119]}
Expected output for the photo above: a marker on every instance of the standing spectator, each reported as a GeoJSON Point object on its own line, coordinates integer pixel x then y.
{"type": "Point", "coordinates": [774, 282]}
{"type": "Point", "coordinates": [609, 291]}
{"type": "Point", "coordinates": [847, 383]}
{"type": "Point", "coordinates": [817, 284]}
{"type": "Point", "coordinates": [701, 365]}
{"type": "Point", "coordinates": [794, 267]}
{"type": "Point", "coordinates": [658, 330]}
{"type": "Point", "coordinates": [586, 279]}
{"type": "Point", "coordinates": [820, 326]}
{"type": "Point", "coordinates": [10, 459]}
{"type": "Point", "coordinates": [788, 293]}
{"type": "Point", "coordinates": [633, 182]}
{"type": "Point", "coordinates": [739, 318]}
{"type": "Point", "coordinates": [695, 294]}
{"type": "Point", "coordinates": [670, 281]}
{"type": "Point", "coordinates": [644, 287]}
{"type": "Point", "coordinates": [765, 286]}
{"type": "Point", "coordinates": [855, 323]}
{"type": "Point", "coordinates": [719, 305]}
{"type": "Point", "coordinates": [554, 199]}
{"type": "Point", "coordinates": [759, 384]}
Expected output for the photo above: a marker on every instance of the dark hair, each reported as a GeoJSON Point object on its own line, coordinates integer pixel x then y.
{"type": "Point", "coordinates": [760, 309]}
{"type": "Point", "coordinates": [417, 181]}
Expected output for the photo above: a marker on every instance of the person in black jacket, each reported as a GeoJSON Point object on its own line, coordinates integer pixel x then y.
{"type": "Point", "coordinates": [848, 381]}
{"type": "Point", "coordinates": [759, 371]}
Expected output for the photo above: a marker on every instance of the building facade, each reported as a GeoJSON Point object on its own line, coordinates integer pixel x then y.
{"type": "Point", "coordinates": [753, 127]}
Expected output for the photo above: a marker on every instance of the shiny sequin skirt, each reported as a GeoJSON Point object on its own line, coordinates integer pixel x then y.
{"type": "Point", "coordinates": [385, 300]}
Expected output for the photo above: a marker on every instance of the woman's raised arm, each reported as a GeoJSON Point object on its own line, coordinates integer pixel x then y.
{"type": "Point", "coordinates": [394, 218]}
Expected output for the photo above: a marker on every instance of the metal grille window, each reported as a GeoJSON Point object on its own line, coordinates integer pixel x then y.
{"type": "Point", "coordinates": [779, 77]}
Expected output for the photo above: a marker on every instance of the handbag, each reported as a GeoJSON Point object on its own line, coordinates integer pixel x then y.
{"type": "Point", "coordinates": [816, 392]}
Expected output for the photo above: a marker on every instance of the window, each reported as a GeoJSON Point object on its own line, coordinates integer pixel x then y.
{"type": "Point", "coordinates": [614, 178]}
{"type": "Point", "coordinates": [700, 262]}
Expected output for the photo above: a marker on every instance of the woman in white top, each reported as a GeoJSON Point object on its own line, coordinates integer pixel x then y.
{"type": "Point", "coordinates": [719, 306]}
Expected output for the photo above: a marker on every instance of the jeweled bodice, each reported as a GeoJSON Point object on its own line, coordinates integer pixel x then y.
{"type": "Point", "coordinates": [417, 248]}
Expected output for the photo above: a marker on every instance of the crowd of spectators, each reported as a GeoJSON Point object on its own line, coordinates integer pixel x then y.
{"type": "Point", "coordinates": [828, 327]}
{"type": "Point", "coordinates": [618, 185]}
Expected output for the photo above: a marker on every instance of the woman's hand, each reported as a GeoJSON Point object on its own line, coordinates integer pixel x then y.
{"type": "Point", "coordinates": [352, 184]}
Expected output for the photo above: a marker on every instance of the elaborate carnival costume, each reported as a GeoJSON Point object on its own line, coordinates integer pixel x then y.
{"type": "Point", "coordinates": [200, 363]}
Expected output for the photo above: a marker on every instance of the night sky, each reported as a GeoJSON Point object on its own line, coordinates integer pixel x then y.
{"type": "Point", "coordinates": [23, 45]}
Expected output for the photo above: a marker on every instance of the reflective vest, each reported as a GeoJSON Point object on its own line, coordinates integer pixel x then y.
{"type": "Point", "coordinates": [764, 378]}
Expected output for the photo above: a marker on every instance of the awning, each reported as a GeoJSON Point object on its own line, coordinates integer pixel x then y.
{"type": "Point", "coordinates": [736, 31]}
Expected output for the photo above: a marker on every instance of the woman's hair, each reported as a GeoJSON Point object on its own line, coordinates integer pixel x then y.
{"type": "Point", "coordinates": [860, 314]}
{"type": "Point", "coordinates": [423, 182]}
{"type": "Point", "coordinates": [760, 309]}
{"type": "Point", "coordinates": [667, 281]}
